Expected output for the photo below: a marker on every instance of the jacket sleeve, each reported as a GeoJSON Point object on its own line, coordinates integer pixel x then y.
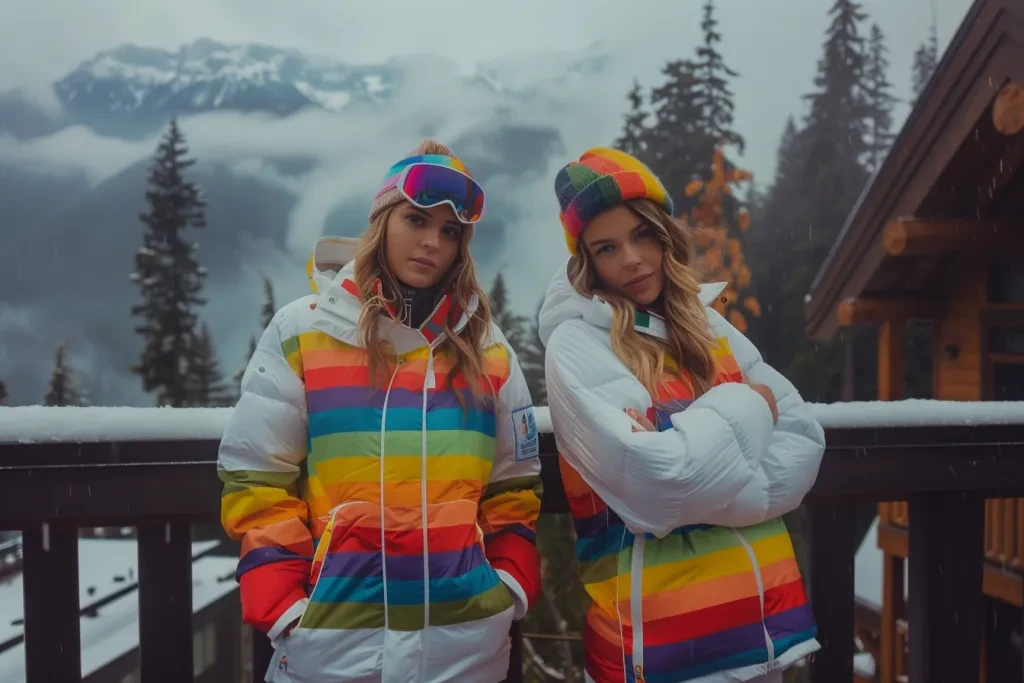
{"type": "Point", "coordinates": [259, 462]}
{"type": "Point", "coordinates": [510, 504]}
{"type": "Point", "coordinates": [654, 481]}
{"type": "Point", "coordinates": [790, 464]}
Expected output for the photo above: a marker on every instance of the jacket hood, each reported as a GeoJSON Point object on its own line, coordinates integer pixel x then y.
{"type": "Point", "coordinates": [331, 271]}
{"type": "Point", "coordinates": [562, 302]}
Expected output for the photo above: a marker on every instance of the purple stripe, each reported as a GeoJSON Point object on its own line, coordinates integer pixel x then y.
{"type": "Point", "coordinates": [795, 620]}
{"type": "Point", "coordinates": [333, 398]}
{"type": "Point", "coordinates": [690, 653]}
{"type": "Point", "coordinates": [517, 529]}
{"type": "Point", "coordinates": [595, 525]}
{"type": "Point", "coordinates": [402, 567]}
{"type": "Point", "coordinates": [257, 557]}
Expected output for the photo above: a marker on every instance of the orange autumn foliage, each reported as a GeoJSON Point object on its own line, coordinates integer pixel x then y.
{"type": "Point", "coordinates": [720, 254]}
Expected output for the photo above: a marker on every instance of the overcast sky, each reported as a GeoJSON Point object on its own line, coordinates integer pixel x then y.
{"type": "Point", "coordinates": [773, 44]}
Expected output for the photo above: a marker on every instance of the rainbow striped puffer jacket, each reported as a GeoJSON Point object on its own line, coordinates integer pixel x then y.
{"type": "Point", "coordinates": [398, 524]}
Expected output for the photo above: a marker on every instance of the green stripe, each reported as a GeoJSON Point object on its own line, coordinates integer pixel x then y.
{"type": "Point", "coordinates": [290, 346]}
{"type": "Point", "coordinates": [441, 442]}
{"type": "Point", "coordinates": [643, 318]}
{"type": "Point", "coordinates": [245, 480]}
{"type": "Point", "coordinates": [528, 483]}
{"type": "Point", "coordinates": [353, 615]}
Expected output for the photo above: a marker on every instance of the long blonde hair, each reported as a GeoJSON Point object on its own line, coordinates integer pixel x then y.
{"type": "Point", "coordinates": [689, 339]}
{"type": "Point", "coordinates": [466, 346]}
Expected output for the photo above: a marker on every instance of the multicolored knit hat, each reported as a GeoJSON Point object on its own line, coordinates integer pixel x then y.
{"type": "Point", "coordinates": [429, 151]}
{"type": "Point", "coordinates": [601, 179]}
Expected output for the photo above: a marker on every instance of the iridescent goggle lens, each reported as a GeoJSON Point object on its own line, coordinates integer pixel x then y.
{"type": "Point", "coordinates": [429, 185]}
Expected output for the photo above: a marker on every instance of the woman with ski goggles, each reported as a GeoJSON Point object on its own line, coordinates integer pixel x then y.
{"type": "Point", "coordinates": [381, 465]}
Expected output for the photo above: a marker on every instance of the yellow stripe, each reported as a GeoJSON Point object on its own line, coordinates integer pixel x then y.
{"type": "Point", "coordinates": [359, 468]}
{"type": "Point", "coordinates": [714, 565]}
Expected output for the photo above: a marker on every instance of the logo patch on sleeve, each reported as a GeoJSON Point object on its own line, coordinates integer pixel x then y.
{"type": "Point", "coordinates": [524, 426]}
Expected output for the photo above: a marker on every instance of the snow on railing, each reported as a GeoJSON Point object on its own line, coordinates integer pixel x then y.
{"type": "Point", "coordinates": [39, 424]}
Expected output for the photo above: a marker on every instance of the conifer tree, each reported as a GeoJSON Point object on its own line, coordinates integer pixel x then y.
{"type": "Point", "coordinates": [206, 383]}
{"type": "Point", "coordinates": [712, 92]}
{"type": "Point", "coordinates": [633, 140]}
{"type": "Point", "coordinates": [64, 389]}
{"type": "Point", "coordinates": [926, 59]}
{"type": "Point", "coordinates": [269, 309]}
{"type": "Point", "coordinates": [512, 326]}
{"type": "Point", "coordinates": [168, 274]}
{"type": "Point", "coordinates": [879, 99]}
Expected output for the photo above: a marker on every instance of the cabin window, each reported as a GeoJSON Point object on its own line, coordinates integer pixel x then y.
{"type": "Point", "coordinates": [1006, 283]}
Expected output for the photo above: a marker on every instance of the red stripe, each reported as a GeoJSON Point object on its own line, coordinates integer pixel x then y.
{"type": "Point", "coordinates": [785, 597]}
{"type": "Point", "coordinates": [702, 622]}
{"type": "Point", "coordinates": [604, 658]}
{"type": "Point", "coordinates": [365, 539]}
{"type": "Point", "coordinates": [270, 589]}
{"type": "Point", "coordinates": [520, 558]}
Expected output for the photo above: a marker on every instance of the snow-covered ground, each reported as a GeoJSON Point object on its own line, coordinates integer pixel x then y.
{"type": "Point", "coordinates": [104, 567]}
{"type": "Point", "coordinates": [38, 424]}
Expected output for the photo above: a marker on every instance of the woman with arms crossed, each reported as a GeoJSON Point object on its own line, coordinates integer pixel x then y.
{"type": "Point", "coordinates": [680, 448]}
{"type": "Point", "coordinates": [374, 468]}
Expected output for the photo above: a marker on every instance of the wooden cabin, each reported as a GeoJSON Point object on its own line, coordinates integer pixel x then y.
{"type": "Point", "coordinates": [938, 236]}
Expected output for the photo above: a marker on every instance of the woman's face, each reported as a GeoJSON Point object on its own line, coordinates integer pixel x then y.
{"type": "Point", "coordinates": [420, 245]}
{"type": "Point", "coordinates": [627, 254]}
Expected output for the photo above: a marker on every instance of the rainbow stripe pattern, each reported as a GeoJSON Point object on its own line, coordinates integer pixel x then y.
{"type": "Point", "coordinates": [601, 179]}
{"type": "Point", "coordinates": [701, 606]}
{"type": "Point", "coordinates": [402, 506]}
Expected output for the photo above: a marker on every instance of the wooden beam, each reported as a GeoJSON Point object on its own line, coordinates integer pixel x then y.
{"type": "Point", "coordinates": [854, 311]}
{"type": "Point", "coordinates": [892, 335]}
{"type": "Point", "coordinates": [920, 236]}
{"type": "Point", "coordinates": [1008, 109]}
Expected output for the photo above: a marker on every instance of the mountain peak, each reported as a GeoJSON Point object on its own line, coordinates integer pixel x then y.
{"type": "Point", "coordinates": [140, 83]}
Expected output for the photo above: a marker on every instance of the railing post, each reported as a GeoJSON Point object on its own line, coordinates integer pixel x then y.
{"type": "Point", "coordinates": [833, 530]}
{"type": "Point", "coordinates": [53, 649]}
{"type": "Point", "coordinates": [165, 602]}
{"type": "Point", "coordinates": [262, 652]}
{"type": "Point", "coordinates": [946, 603]}
{"type": "Point", "coordinates": [515, 655]}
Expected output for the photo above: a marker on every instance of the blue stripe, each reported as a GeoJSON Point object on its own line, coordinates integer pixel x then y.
{"type": "Point", "coordinates": [337, 589]}
{"type": "Point", "coordinates": [594, 548]}
{"type": "Point", "coordinates": [362, 419]}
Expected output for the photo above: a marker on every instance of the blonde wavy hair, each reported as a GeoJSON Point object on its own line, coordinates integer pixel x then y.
{"type": "Point", "coordinates": [466, 346]}
{"type": "Point", "coordinates": [689, 339]}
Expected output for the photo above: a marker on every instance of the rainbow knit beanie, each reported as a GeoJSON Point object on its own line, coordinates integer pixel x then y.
{"type": "Point", "coordinates": [600, 180]}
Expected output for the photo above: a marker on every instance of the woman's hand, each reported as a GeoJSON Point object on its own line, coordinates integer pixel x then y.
{"type": "Point", "coordinates": [641, 420]}
{"type": "Point", "coordinates": [767, 395]}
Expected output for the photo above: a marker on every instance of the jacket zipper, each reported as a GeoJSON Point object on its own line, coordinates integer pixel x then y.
{"type": "Point", "coordinates": [636, 604]}
{"type": "Point", "coordinates": [760, 593]}
{"type": "Point", "coordinates": [428, 383]}
{"type": "Point", "coordinates": [383, 521]}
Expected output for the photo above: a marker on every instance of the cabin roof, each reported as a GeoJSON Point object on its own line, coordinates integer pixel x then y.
{"type": "Point", "coordinates": [945, 162]}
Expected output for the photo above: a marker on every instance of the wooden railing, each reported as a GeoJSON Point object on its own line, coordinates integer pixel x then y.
{"type": "Point", "coordinates": [162, 485]}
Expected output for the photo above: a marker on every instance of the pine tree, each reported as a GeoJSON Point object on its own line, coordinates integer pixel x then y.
{"type": "Point", "coordinates": [633, 140]}
{"type": "Point", "coordinates": [678, 149]}
{"type": "Point", "coordinates": [269, 309]}
{"type": "Point", "coordinates": [206, 384]}
{"type": "Point", "coordinates": [531, 360]}
{"type": "Point", "coordinates": [712, 91]}
{"type": "Point", "coordinates": [926, 59]}
{"type": "Point", "coordinates": [3, 393]}
{"type": "Point", "coordinates": [169, 277]}
{"type": "Point", "coordinates": [512, 326]}
{"type": "Point", "coordinates": [879, 99]}
{"type": "Point", "coordinates": [64, 390]}
{"type": "Point", "coordinates": [838, 108]}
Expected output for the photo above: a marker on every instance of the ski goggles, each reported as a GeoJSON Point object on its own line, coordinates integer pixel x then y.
{"type": "Point", "coordinates": [429, 180]}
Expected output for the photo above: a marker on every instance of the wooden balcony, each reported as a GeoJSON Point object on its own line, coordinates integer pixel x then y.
{"type": "Point", "coordinates": [154, 472]}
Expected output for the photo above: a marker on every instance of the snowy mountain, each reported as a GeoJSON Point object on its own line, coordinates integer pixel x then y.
{"type": "Point", "coordinates": [131, 90]}
{"type": "Point", "coordinates": [141, 83]}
